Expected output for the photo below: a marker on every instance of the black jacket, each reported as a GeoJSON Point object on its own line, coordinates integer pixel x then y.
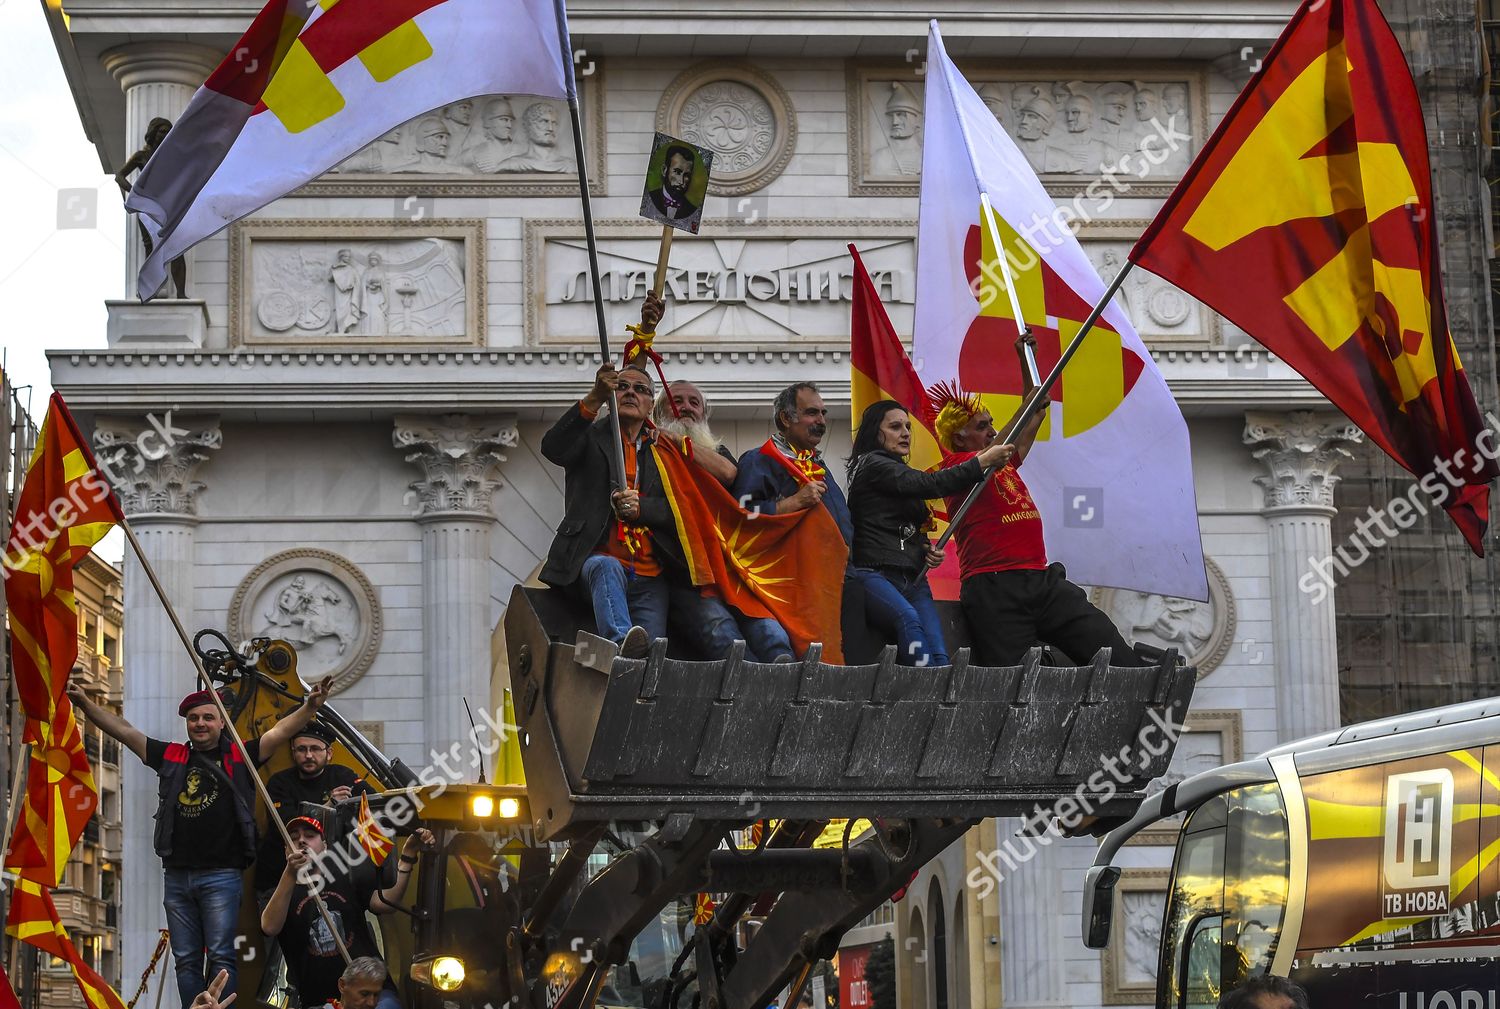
{"type": "Point", "coordinates": [887, 499]}
{"type": "Point", "coordinates": [583, 448]}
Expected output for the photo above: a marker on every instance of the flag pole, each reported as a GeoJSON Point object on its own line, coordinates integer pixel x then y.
{"type": "Point", "coordinates": [234, 733]}
{"type": "Point", "coordinates": [1030, 409]}
{"type": "Point", "coordinates": [593, 246]}
{"type": "Point", "coordinates": [1028, 352]}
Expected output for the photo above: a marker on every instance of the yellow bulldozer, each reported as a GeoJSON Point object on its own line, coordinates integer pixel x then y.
{"type": "Point", "coordinates": [644, 777]}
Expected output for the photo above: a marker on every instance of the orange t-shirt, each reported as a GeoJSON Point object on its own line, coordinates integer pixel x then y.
{"type": "Point", "coordinates": [629, 544]}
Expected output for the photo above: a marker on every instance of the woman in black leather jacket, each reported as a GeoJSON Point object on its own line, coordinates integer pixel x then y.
{"type": "Point", "coordinates": [891, 551]}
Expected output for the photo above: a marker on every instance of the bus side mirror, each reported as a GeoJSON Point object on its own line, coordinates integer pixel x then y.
{"type": "Point", "coordinates": [1099, 905]}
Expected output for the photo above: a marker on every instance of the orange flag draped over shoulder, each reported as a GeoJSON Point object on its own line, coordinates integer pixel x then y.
{"type": "Point", "coordinates": [1308, 220]}
{"type": "Point", "coordinates": [789, 567]}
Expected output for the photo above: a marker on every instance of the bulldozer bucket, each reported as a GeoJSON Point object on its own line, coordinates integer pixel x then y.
{"type": "Point", "coordinates": [609, 738]}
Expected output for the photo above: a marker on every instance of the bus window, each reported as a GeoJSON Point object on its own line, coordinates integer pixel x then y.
{"type": "Point", "coordinates": [1255, 879]}
{"type": "Point", "coordinates": [1200, 966]}
{"type": "Point", "coordinates": [1197, 897]}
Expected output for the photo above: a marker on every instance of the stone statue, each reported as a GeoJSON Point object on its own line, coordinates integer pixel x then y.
{"type": "Point", "coordinates": [1115, 101]}
{"type": "Point", "coordinates": [496, 141]}
{"type": "Point", "coordinates": [375, 303]}
{"type": "Point", "coordinates": [156, 132]}
{"type": "Point", "coordinates": [901, 154]}
{"type": "Point", "coordinates": [345, 278]}
{"type": "Point", "coordinates": [542, 153]}
{"type": "Point", "coordinates": [993, 96]}
{"type": "Point", "coordinates": [432, 147]}
{"type": "Point", "coordinates": [385, 155]}
{"type": "Point", "coordinates": [458, 117]}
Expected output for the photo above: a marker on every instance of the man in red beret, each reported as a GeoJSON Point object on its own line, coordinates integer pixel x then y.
{"type": "Point", "coordinates": [205, 823]}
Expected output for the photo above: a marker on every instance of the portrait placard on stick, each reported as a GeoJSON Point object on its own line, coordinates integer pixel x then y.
{"type": "Point", "coordinates": [676, 183]}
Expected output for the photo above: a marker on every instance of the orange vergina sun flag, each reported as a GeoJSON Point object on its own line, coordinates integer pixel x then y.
{"type": "Point", "coordinates": [789, 567]}
{"type": "Point", "coordinates": [64, 508]}
{"type": "Point", "coordinates": [1308, 220]}
{"type": "Point", "coordinates": [703, 909]}
{"type": "Point", "coordinates": [376, 842]}
{"type": "Point", "coordinates": [33, 919]}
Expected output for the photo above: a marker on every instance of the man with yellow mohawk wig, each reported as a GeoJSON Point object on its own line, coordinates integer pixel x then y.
{"type": "Point", "coordinates": [1011, 597]}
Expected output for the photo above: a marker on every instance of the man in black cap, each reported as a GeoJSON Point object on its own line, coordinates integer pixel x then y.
{"type": "Point", "coordinates": [311, 778]}
{"type": "Point", "coordinates": [205, 823]}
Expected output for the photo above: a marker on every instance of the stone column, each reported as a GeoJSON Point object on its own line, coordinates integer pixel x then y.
{"type": "Point", "coordinates": [158, 79]}
{"type": "Point", "coordinates": [1300, 452]}
{"type": "Point", "coordinates": [1031, 946]}
{"type": "Point", "coordinates": [459, 455]}
{"type": "Point", "coordinates": [152, 469]}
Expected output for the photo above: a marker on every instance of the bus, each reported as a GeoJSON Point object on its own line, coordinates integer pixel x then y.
{"type": "Point", "coordinates": [1360, 864]}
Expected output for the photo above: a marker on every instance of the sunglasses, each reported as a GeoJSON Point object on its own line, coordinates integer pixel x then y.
{"type": "Point", "coordinates": [637, 388]}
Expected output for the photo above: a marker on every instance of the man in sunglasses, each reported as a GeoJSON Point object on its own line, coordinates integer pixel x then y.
{"type": "Point", "coordinates": [614, 545]}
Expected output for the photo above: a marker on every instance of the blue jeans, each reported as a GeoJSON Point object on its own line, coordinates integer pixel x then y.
{"type": "Point", "coordinates": [714, 626]}
{"type": "Point", "coordinates": [905, 610]}
{"type": "Point", "coordinates": [203, 908]}
{"type": "Point", "coordinates": [622, 598]}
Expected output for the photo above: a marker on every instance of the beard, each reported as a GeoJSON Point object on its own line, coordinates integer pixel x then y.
{"type": "Point", "coordinates": [697, 430]}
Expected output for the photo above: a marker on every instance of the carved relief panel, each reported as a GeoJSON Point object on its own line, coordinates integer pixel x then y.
{"type": "Point", "coordinates": [354, 283]}
{"type": "Point", "coordinates": [493, 145]}
{"type": "Point", "coordinates": [1141, 124]}
{"type": "Point", "coordinates": [739, 113]}
{"type": "Point", "coordinates": [320, 604]}
{"type": "Point", "coordinates": [1201, 632]}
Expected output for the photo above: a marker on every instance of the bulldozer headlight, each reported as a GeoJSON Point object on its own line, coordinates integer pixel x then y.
{"type": "Point", "coordinates": [445, 973]}
{"type": "Point", "coordinates": [482, 806]}
{"type": "Point", "coordinates": [509, 809]}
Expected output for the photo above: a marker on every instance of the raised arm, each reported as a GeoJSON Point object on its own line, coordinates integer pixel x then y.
{"type": "Point", "coordinates": [388, 901]}
{"type": "Point", "coordinates": [111, 724]}
{"type": "Point", "coordinates": [273, 916]}
{"type": "Point", "coordinates": [564, 444]}
{"type": "Point", "coordinates": [281, 733]}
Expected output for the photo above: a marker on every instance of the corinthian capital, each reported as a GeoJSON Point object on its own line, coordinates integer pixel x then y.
{"type": "Point", "coordinates": [1300, 451]}
{"type": "Point", "coordinates": [151, 460]}
{"type": "Point", "coordinates": [459, 455]}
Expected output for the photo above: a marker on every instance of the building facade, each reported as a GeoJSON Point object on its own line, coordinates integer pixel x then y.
{"type": "Point", "coordinates": [335, 437]}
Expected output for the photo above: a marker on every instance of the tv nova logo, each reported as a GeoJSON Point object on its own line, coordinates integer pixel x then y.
{"type": "Point", "coordinates": [1418, 862]}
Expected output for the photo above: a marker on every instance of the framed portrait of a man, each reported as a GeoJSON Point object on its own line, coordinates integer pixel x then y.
{"type": "Point", "coordinates": [676, 183]}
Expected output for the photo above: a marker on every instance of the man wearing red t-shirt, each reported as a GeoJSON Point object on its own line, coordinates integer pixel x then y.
{"type": "Point", "coordinates": [1011, 597]}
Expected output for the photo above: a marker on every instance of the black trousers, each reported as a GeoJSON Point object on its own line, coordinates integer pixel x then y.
{"type": "Point", "coordinates": [1011, 611]}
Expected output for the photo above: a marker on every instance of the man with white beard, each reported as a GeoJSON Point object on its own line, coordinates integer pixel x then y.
{"type": "Point", "coordinates": [704, 617]}
{"type": "Point", "coordinates": [691, 420]}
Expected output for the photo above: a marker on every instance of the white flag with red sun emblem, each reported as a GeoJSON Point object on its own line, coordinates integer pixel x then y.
{"type": "Point", "coordinates": [1111, 471]}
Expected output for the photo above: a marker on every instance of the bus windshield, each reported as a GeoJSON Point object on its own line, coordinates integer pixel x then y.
{"type": "Point", "coordinates": [1229, 888]}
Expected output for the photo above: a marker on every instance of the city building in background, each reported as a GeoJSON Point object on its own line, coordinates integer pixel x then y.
{"type": "Point", "coordinates": [343, 417]}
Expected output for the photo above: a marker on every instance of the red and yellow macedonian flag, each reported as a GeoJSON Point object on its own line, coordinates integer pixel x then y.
{"type": "Point", "coordinates": [33, 919]}
{"type": "Point", "coordinates": [376, 842]}
{"type": "Point", "coordinates": [790, 567]}
{"type": "Point", "coordinates": [1308, 220]}
{"type": "Point", "coordinates": [64, 508]}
